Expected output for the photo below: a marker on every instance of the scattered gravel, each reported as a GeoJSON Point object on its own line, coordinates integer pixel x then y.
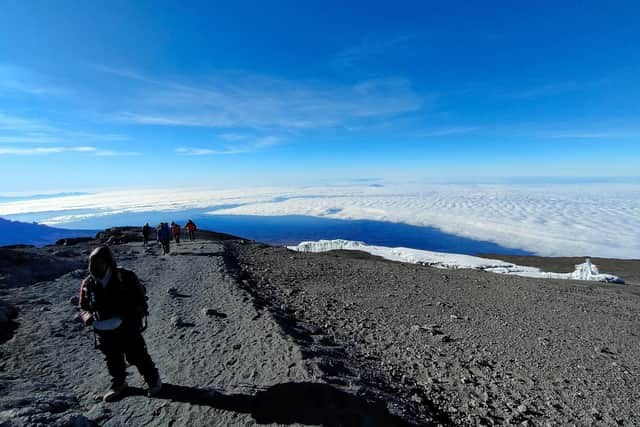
{"type": "Point", "coordinates": [481, 348]}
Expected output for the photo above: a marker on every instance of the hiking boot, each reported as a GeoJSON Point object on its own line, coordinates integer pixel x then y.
{"type": "Point", "coordinates": [154, 389]}
{"type": "Point", "coordinates": [115, 392]}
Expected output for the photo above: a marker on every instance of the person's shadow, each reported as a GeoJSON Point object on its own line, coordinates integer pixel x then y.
{"type": "Point", "coordinates": [303, 403]}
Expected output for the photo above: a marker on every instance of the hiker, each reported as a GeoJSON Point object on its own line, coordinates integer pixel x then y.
{"type": "Point", "coordinates": [175, 231]}
{"type": "Point", "coordinates": [114, 302]}
{"type": "Point", "coordinates": [146, 229]}
{"type": "Point", "coordinates": [191, 229]}
{"type": "Point", "coordinates": [164, 237]}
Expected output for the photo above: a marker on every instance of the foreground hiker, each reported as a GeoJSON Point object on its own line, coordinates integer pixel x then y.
{"type": "Point", "coordinates": [114, 302]}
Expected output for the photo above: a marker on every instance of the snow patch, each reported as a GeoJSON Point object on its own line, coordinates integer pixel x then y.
{"type": "Point", "coordinates": [585, 271]}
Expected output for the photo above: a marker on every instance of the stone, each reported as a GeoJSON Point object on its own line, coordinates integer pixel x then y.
{"type": "Point", "coordinates": [98, 413]}
{"type": "Point", "coordinates": [177, 322]}
{"type": "Point", "coordinates": [75, 420]}
{"type": "Point", "coordinates": [445, 338]}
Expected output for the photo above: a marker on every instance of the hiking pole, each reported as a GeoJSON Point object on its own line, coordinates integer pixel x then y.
{"type": "Point", "coordinates": [95, 338]}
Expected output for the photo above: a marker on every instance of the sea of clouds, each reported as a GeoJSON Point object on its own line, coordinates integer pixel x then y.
{"type": "Point", "coordinates": [551, 219]}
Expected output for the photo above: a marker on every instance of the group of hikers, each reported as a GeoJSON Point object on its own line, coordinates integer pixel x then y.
{"type": "Point", "coordinates": [165, 233]}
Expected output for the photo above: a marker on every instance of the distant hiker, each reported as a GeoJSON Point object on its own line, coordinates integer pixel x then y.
{"type": "Point", "coordinates": [114, 302]}
{"type": "Point", "coordinates": [175, 231]}
{"type": "Point", "coordinates": [164, 237]}
{"type": "Point", "coordinates": [191, 229]}
{"type": "Point", "coordinates": [146, 230]}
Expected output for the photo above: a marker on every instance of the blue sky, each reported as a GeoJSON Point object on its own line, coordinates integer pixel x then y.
{"type": "Point", "coordinates": [154, 94]}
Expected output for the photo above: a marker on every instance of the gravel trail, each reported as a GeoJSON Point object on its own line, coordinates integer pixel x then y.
{"type": "Point", "coordinates": [224, 359]}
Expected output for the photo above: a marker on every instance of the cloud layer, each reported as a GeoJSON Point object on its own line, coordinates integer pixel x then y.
{"type": "Point", "coordinates": [553, 220]}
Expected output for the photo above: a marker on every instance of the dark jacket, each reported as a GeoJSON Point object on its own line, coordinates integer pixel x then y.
{"type": "Point", "coordinates": [123, 297]}
{"type": "Point", "coordinates": [164, 233]}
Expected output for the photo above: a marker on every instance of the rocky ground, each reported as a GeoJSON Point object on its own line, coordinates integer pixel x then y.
{"type": "Point", "coordinates": [225, 357]}
{"type": "Point", "coordinates": [245, 333]}
{"type": "Point", "coordinates": [470, 347]}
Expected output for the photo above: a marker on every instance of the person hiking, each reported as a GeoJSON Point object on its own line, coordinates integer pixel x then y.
{"type": "Point", "coordinates": [191, 229]}
{"type": "Point", "coordinates": [114, 302]}
{"type": "Point", "coordinates": [175, 231]}
{"type": "Point", "coordinates": [164, 237]}
{"type": "Point", "coordinates": [146, 230]}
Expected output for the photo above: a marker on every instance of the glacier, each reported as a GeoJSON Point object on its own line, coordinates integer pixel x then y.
{"type": "Point", "coordinates": [584, 271]}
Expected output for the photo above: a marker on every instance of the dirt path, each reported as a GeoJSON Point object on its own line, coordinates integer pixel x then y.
{"type": "Point", "coordinates": [223, 360]}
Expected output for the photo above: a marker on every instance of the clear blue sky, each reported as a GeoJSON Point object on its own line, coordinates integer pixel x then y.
{"type": "Point", "coordinates": [154, 93]}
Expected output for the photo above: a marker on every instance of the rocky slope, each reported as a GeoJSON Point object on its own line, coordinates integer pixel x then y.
{"type": "Point", "coordinates": [245, 333]}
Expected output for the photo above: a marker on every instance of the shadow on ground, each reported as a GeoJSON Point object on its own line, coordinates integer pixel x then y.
{"type": "Point", "coordinates": [303, 403]}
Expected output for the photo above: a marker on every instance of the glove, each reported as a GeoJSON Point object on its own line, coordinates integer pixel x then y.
{"type": "Point", "coordinates": [86, 317]}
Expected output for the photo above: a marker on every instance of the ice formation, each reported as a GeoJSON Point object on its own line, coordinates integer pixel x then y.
{"type": "Point", "coordinates": [585, 271]}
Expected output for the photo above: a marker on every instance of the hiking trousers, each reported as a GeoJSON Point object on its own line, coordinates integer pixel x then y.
{"type": "Point", "coordinates": [126, 343]}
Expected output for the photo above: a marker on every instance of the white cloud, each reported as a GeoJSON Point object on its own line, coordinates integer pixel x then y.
{"type": "Point", "coordinates": [582, 135]}
{"type": "Point", "coordinates": [34, 151]}
{"type": "Point", "coordinates": [233, 137]}
{"type": "Point", "coordinates": [29, 139]}
{"type": "Point", "coordinates": [370, 47]}
{"type": "Point", "coordinates": [247, 146]}
{"type": "Point", "coordinates": [244, 100]}
{"type": "Point", "coordinates": [39, 151]}
{"type": "Point", "coordinates": [595, 219]}
{"type": "Point", "coordinates": [451, 131]}
{"type": "Point", "coordinates": [13, 123]}
{"type": "Point", "coordinates": [267, 141]}
{"type": "Point", "coordinates": [21, 130]}
{"type": "Point", "coordinates": [191, 151]}
{"type": "Point", "coordinates": [19, 79]}
{"type": "Point", "coordinates": [557, 88]}
{"type": "Point", "coordinates": [113, 153]}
